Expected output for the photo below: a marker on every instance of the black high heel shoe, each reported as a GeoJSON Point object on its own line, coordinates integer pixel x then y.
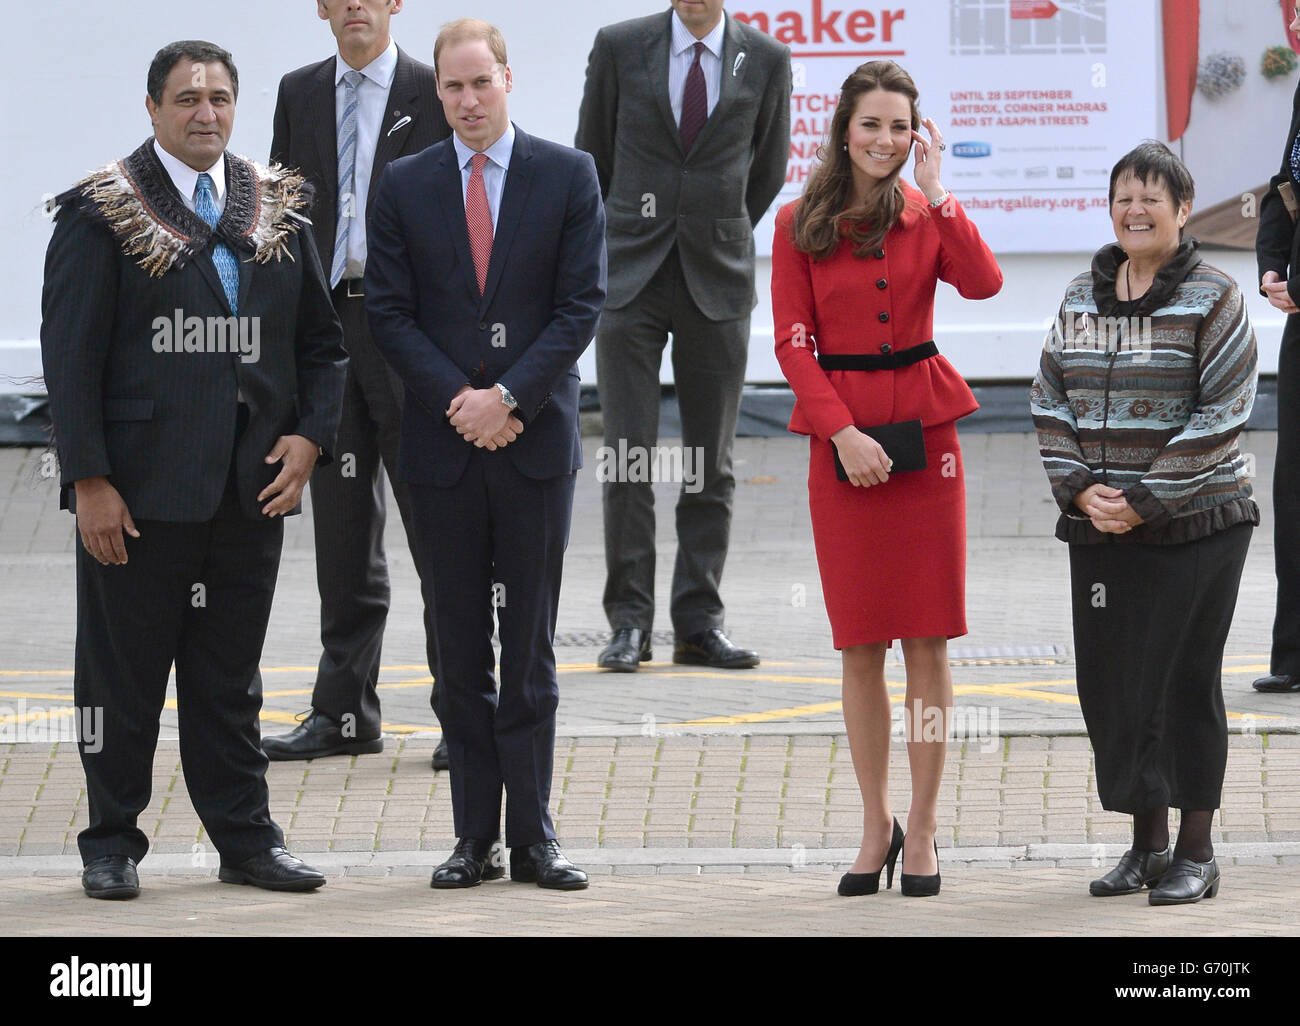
{"type": "Point", "coordinates": [915, 885]}
{"type": "Point", "coordinates": [854, 884]}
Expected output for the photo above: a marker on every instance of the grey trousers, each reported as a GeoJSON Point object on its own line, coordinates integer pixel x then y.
{"type": "Point", "coordinates": [709, 372]}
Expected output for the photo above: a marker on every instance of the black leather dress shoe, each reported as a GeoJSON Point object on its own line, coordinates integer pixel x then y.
{"type": "Point", "coordinates": [1277, 683]}
{"type": "Point", "coordinates": [1136, 869]}
{"type": "Point", "coordinates": [628, 647]}
{"type": "Point", "coordinates": [713, 648]}
{"type": "Point", "coordinates": [471, 862]}
{"type": "Point", "coordinates": [316, 737]}
{"type": "Point", "coordinates": [274, 870]}
{"type": "Point", "coordinates": [1186, 881]}
{"type": "Point", "coordinates": [546, 865]}
{"type": "Point", "coordinates": [112, 877]}
{"type": "Point", "coordinates": [441, 761]}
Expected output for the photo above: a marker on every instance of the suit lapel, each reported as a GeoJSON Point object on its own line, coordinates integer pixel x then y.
{"type": "Point", "coordinates": [514, 198]}
{"type": "Point", "coordinates": [322, 118]}
{"type": "Point", "coordinates": [399, 117]}
{"type": "Point", "coordinates": [203, 261]}
{"type": "Point", "coordinates": [451, 202]}
{"type": "Point", "coordinates": [656, 64]}
{"type": "Point", "coordinates": [729, 84]}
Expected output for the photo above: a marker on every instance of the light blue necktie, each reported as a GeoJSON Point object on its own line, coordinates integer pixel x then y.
{"type": "Point", "coordinates": [205, 205]}
{"type": "Point", "coordinates": [347, 204]}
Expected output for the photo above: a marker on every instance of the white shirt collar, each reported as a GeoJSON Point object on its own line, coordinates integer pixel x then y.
{"type": "Point", "coordinates": [380, 71]}
{"type": "Point", "coordinates": [684, 40]}
{"type": "Point", "coordinates": [186, 179]}
{"type": "Point", "coordinates": [498, 152]}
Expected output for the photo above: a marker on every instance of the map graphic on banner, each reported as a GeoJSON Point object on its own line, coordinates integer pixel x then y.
{"type": "Point", "coordinates": [1036, 100]}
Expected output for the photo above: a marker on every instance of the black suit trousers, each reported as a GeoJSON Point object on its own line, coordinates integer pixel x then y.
{"type": "Point", "coordinates": [496, 540]}
{"type": "Point", "coordinates": [197, 595]}
{"type": "Point", "coordinates": [348, 513]}
{"type": "Point", "coordinates": [1286, 505]}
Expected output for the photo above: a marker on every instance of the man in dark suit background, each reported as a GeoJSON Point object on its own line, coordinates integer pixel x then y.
{"type": "Point", "coordinates": [484, 283]}
{"type": "Point", "coordinates": [687, 114]}
{"type": "Point", "coordinates": [194, 367]}
{"type": "Point", "coordinates": [340, 121]}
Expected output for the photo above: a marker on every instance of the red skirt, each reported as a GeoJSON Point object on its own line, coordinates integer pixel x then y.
{"type": "Point", "coordinates": [893, 556]}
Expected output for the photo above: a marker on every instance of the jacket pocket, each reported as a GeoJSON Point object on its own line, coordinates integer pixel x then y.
{"type": "Point", "coordinates": [128, 407]}
{"type": "Point", "coordinates": [732, 229]}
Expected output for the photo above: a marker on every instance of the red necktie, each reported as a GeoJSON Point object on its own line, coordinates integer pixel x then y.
{"type": "Point", "coordinates": [478, 218]}
{"type": "Point", "coordinates": [695, 102]}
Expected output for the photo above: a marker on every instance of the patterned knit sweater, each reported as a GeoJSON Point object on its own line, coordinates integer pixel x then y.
{"type": "Point", "coordinates": [1149, 397]}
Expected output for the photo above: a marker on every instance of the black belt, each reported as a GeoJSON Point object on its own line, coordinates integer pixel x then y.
{"type": "Point", "coordinates": [884, 361]}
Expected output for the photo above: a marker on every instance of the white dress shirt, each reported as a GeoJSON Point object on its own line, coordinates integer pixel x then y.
{"type": "Point", "coordinates": [494, 171]}
{"type": "Point", "coordinates": [372, 101]}
{"type": "Point", "coordinates": [186, 179]}
{"type": "Point", "coordinates": [681, 57]}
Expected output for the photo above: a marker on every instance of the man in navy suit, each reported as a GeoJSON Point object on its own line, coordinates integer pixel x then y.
{"type": "Point", "coordinates": [484, 282]}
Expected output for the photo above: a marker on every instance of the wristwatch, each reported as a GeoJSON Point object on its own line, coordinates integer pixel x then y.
{"type": "Point", "coordinates": [511, 402]}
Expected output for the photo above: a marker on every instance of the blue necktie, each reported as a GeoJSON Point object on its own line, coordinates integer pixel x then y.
{"type": "Point", "coordinates": [347, 176]}
{"type": "Point", "coordinates": [205, 205]}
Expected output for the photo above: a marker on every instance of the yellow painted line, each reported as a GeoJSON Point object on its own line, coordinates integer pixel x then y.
{"type": "Point", "coordinates": [40, 714]}
{"type": "Point", "coordinates": [29, 694]}
{"type": "Point", "coordinates": [762, 717]}
{"type": "Point", "coordinates": [1260, 668]}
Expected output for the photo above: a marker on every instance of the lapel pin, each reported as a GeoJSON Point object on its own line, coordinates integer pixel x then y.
{"type": "Point", "coordinates": [740, 59]}
{"type": "Point", "coordinates": [405, 121]}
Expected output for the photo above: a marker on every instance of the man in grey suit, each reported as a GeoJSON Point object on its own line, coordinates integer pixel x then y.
{"type": "Point", "coordinates": [687, 114]}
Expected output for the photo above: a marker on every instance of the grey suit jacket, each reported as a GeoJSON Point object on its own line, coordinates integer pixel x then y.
{"type": "Point", "coordinates": [706, 201]}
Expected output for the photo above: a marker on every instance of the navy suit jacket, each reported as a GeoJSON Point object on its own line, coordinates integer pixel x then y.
{"type": "Point", "coordinates": [545, 289]}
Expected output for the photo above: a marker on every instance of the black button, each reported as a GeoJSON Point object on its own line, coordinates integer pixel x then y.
{"type": "Point", "coordinates": [482, 326]}
{"type": "Point", "coordinates": [881, 283]}
{"type": "Point", "coordinates": [884, 317]}
{"type": "Point", "coordinates": [886, 348]}
{"type": "Point", "coordinates": [880, 254]}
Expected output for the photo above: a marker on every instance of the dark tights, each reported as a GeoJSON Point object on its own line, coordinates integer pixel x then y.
{"type": "Point", "coordinates": [1151, 833]}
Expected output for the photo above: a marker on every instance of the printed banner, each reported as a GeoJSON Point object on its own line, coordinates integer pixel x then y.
{"type": "Point", "coordinates": [1035, 99]}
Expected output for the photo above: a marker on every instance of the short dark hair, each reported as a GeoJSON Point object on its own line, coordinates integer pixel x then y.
{"type": "Point", "coordinates": [195, 50]}
{"type": "Point", "coordinates": [1151, 159]}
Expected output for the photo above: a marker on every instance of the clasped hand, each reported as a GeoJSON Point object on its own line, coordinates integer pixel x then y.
{"type": "Point", "coordinates": [1275, 288]}
{"type": "Point", "coordinates": [863, 458]}
{"type": "Point", "coordinates": [1107, 508]}
{"type": "Point", "coordinates": [479, 416]}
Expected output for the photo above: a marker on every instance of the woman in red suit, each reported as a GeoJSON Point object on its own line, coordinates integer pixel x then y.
{"type": "Point", "coordinates": [855, 263]}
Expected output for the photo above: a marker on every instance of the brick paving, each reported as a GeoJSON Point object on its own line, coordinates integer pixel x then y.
{"type": "Point", "coordinates": [701, 802]}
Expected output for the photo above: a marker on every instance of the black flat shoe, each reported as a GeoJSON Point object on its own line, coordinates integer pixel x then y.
{"type": "Point", "coordinates": [470, 863]}
{"type": "Point", "coordinates": [112, 877]}
{"type": "Point", "coordinates": [1136, 869]}
{"type": "Point", "coordinates": [713, 648]}
{"type": "Point", "coordinates": [629, 647]}
{"type": "Point", "coordinates": [547, 866]}
{"type": "Point", "coordinates": [1186, 881]}
{"type": "Point", "coordinates": [916, 885]}
{"type": "Point", "coordinates": [854, 884]}
{"type": "Point", "coordinates": [316, 737]}
{"type": "Point", "coordinates": [1277, 684]}
{"type": "Point", "coordinates": [273, 870]}
{"type": "Point", "coordinates": [441, 761]}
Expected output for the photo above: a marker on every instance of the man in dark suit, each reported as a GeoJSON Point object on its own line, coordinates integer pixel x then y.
{"type": "Point", "coordinates": [195, 367]}
{"type": "Point", "coordinates": [340, 122]}
{"type": "Point", "coordinates": [687, 114]}
{"type": "Point", "coordinates": [1277, 250]}
{"type": "Point", "coordinates": [484, 283]}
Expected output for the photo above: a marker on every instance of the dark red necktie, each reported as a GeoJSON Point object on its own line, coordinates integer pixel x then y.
{"type": "Point", "coordinates": [695, 102]}
{"type": "Point", "coordinates": [478, 219]}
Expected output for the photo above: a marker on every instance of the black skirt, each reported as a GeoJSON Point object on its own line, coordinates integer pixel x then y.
{"type": "Point", "coordinates": [1150, 623]}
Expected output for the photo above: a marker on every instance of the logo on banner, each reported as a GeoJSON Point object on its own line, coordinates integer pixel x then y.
{"type": "Point", "coordinates": [972, 149]}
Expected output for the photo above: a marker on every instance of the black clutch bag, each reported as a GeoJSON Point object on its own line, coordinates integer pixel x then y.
{"type": "Point", "coordinates": [903, 443]}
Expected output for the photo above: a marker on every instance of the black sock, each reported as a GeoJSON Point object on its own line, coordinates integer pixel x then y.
{"type": "Point", "coordinates": [1194, 836]}
{"type": "Point", "coordinates": [1151, 829]}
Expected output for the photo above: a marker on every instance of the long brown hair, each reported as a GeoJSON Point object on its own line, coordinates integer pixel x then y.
{"type": "Point", "coordinates": [825, 214]}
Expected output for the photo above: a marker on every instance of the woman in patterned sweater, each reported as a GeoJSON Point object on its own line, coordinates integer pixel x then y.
{"type": "Point", "coordinates": [1145, 382]}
